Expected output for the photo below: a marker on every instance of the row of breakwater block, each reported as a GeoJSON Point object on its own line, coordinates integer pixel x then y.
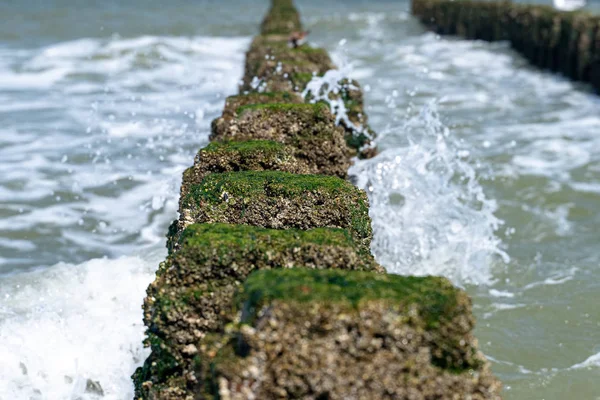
{"type": "Point", "coordinates": [269, 290]}
{"type": "Point", "coordinates": [564, 42]}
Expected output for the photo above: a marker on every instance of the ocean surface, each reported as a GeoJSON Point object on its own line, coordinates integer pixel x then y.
{"type": "Point", "coordinates": [489, 174]}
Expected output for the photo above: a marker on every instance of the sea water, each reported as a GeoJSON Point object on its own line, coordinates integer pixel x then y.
{"type": "Point", "coordinates": [489, 174]}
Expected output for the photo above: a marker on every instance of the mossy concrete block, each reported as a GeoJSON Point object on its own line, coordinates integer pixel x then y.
{"type": "Point", "coordinates": [282, 18]}
{"type": "Point", "coordinates": [341, 334]}
{"type": "Point", "coordinates": [310, 128]}
{"type": "Point", "coordinates": [193, 291]}
{"type": "Point", "coordinates": [272, 65]}
{"type": "Point", "coordinates": [279, 200]}
{"type": "Point", "coordinates": [253, 155]}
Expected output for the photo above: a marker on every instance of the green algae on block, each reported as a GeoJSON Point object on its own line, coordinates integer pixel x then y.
{"type": "Point", "coordinates": [193, 291]}
{"type": "Point", "coordinates": [253, 155]}
{"type": "Point", "coordinates": [232, 103]}
{"type": "Point", "coordinates": [346, 334]}
{"type": "Point", "coordinates": [282, 18]}
{"type": "Point", "coordinates": [310, 128]}
{"type": "Point", "coordinates": [279, 200]}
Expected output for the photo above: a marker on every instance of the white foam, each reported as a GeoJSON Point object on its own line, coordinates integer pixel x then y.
{"type": "Point", "coordinates": [551, 157]}
{"type": "Point", "coordinates": [496, 307]}
{"type": "Point", "coordinates": [557, 279]}
{"type": "Point", "coordinates": [590, 362]}
{"type": "Point", "coordinates": [501, 293]}
{"type": "Point", "coordinates": [70, 323]}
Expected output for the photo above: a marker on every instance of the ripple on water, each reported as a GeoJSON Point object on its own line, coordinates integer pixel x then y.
{"type": "Point", "coordinates": [96, 129]}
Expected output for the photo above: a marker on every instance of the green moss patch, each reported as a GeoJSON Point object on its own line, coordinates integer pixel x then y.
{"type": "Point", "coordinates": [213, 236]}
{"type": "Point", "coordinates": [279, 200]}
{"type": "Point", "coordinates": [252, 155]}
{"type": "Point", "coordinates": [234, 102]}
{"type": "Point", "coordinates": [436, 295]}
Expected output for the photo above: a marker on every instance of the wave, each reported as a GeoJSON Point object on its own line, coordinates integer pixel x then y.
{"type": "Point", "coordinates": [70, 324]}
{"type": "Point", "coordinates": [430, 215]}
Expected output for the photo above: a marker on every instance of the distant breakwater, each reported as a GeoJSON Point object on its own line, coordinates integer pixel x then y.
{"type": "Point", "coordinates": [270, 289]}
{"type": "Point", "coordinates": [564, 42]}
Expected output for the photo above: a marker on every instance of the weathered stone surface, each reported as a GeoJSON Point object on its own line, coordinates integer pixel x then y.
{"type": "Point", "coordinates": [278, 200]}
{"type": "Point", "coordinates": [310, 128]}
{"type": "Point", "coordinates": [193, 290]}
{"type": "Point", "coordinates": [310, 334]}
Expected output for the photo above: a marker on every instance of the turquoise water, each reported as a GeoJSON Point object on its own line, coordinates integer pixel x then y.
{"type": "Point", "coordinates": [490, 175]}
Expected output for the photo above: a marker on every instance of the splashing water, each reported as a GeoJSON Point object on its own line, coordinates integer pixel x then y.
{"type": "Point", "coordinates": [328, 88]}
{"type": "Point", "coordinates": [71, 325]}
{"type": "Point", "coordinates": [430, 215]}
{"type": "Point", "coordinates": [333, 88]}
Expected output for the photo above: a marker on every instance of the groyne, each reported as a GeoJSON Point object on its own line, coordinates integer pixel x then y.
{"type": "Point", "coordinates": [269, 289]}
{"type": "Point", "coordinates": [564, 42]}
